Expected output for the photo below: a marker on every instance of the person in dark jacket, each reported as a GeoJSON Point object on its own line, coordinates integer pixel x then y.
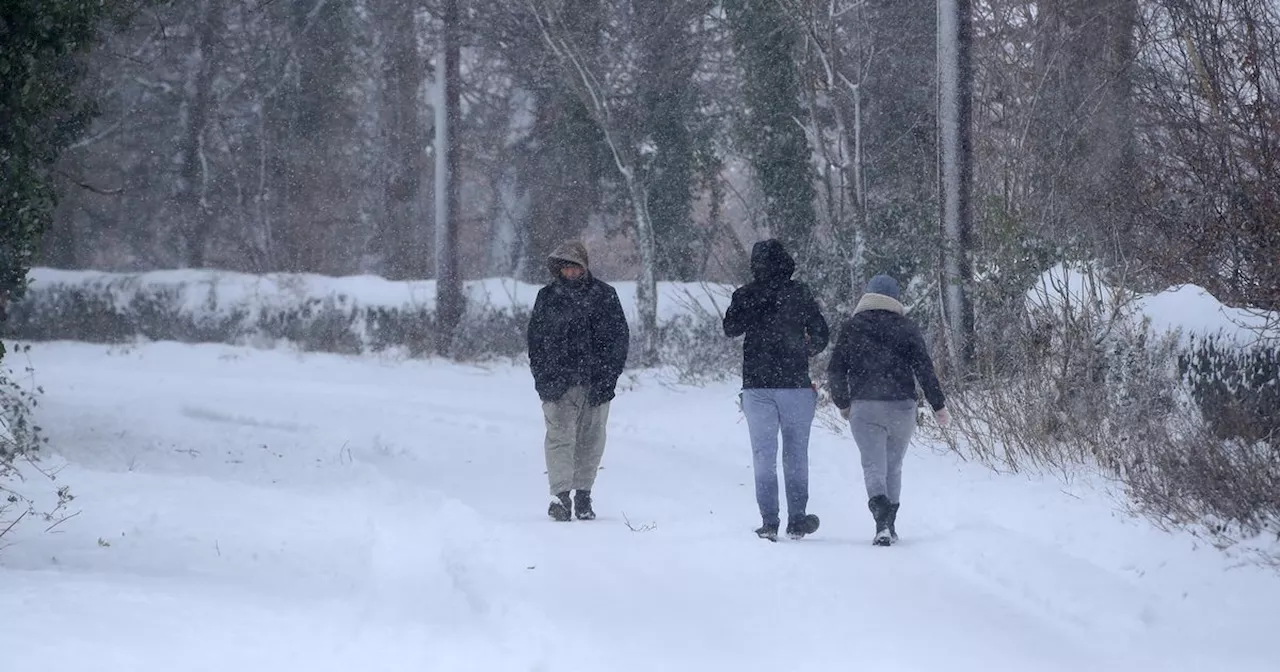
{"type": "Point", "coordinates": [878, 357]}
{"type": "Point", "coordinates": [578, 342]}
{"type": "Point", "coordinates": [784, 329]}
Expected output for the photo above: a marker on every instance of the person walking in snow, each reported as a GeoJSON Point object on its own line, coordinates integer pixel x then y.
{"type": "Point", "coordinates": [878, 357]}
{"type": "Point", "coordinates": [578, 341]}
{"type": "Point", "coordinates": [784, 329]}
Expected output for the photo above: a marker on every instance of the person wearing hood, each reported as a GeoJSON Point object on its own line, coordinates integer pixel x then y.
{"type": "Point", "coordinates": [783, 328]}
{"type": "Point", "coordinates": [578, 341]}
{"type": "Point", "coordinates": [879, 356]}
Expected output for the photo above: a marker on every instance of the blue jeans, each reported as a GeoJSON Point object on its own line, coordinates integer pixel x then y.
{"type": "Point", "coordinates": [790, 411]}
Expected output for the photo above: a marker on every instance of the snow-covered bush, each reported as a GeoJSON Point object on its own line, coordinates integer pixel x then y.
{"type": "Point", "coordinates": [1221, 472]}
{"type": "Point", "coordinates": [1237, 388]}
{"type": "Point", "coordinates": [1099, 378]}
{"type": "Point", "coordinates": [1224, 489]}
{"type": "Point", "coordinates": [20, 443]}
{"type": "Point", "coordinates": [696, 347]}
{"type": "Point", "coordinates": [1077, 374]}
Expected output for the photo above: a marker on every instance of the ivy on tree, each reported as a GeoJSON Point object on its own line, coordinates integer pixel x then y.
{"type": "Point", "coordinates": [43, 44]}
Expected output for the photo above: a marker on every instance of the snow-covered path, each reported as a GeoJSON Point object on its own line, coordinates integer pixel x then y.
{"type": "Point", "coordinates": [263, 510]}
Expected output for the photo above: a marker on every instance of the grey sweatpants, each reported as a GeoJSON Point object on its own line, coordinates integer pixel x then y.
{"type": "Point", "coordinates": [575, 440]}
{"type": "Point", "coordinates": [882, 430]}
{"type": "Point", "coordinates": [767, 412]}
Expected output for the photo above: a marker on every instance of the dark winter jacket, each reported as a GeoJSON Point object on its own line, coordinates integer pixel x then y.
{"type": "Point", "coordinates": [783, 324]}
{"type": "Point", "coordinates": [879, 356]}
{"type": "Point", "coordinates": [578, 335]}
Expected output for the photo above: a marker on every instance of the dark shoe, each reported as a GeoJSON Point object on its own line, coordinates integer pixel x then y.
{"type": "Point", "coordinates": [893, 518]}
{"type": "Point", "coordinates": [582, 505]}
{"type": "Point", "coordinates": [879, 506]}
{"type": "Point", "coordinates": [561, 508]}
{"type": "Point", "coordinates": [768, 531]}
{"type": "Point", "coordinates": [801, 526]}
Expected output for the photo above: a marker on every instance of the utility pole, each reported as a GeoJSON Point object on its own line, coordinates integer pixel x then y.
{"type": "Point", "coordinates": [955, 174]}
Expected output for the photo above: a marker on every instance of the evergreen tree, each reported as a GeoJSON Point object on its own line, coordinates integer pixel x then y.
{"type": "Point", "coordinates": [42, 49]}
{"type": "Point", "coordinates": [765, 41]}
{"type": "Point", "coordinates": [900, 139]}
{"type": "Point", "coordinates": [670, 127]}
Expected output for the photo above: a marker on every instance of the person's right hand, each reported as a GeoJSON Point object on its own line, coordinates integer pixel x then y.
{"type": "Point", "coordinates": [942, 416]}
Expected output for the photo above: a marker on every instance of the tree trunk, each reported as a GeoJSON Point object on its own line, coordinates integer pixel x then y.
{"type": "Point", "coordinates": [193, 185]}
{"type": "Point", "coordinates": [450, 302]}
{"type": "Point", "coordinates": [647, 283]}
{"type": "Point", "coordinates": [1083, 133]}
{"type": "Point", "coordinates": [403, 240]}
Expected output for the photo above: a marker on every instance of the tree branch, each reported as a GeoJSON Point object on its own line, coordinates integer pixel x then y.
{"type": "Point", "coordinates": [86, 186]}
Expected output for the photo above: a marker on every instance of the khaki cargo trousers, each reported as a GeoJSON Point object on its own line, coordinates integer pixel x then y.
{"type": "Point", "coordinates": [575, 440]}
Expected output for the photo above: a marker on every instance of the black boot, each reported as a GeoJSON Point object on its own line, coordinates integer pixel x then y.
{"type": "Point", "coordinates": [561, 508]}
{"type": "Point", "coordinates": [798, 527]}
{"type": "Point", "coordinates": [893, 518]}
{"type": "Point", "coordinates": [879, 506]}
{"type": "Point", "coordinates": [768, 531]}
{"type": "Point", "coordinates": [582, 505]}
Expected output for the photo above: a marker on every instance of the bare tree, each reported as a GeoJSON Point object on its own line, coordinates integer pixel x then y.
{"type": "Point", "coordinates": [403, 240]}
{"type": "Point", "coordinates": [194, 184]}
{"type": "Point", "coordinates": [1210, 118]}
{"type": "Point", "coordinates": [839, 57]}
{"type": "Point", "coordinates": [596, 87]}
{"type": "Point", "coordinates": [1081, 130]}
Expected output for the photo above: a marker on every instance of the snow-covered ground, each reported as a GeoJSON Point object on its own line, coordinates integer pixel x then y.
{"type": "Point", "coordinates": [263, 510]}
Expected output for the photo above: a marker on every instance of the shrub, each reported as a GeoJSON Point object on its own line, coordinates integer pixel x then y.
{"type": "Point", "coordinates": [1237, 389]}
{"type": "Point", "coordinates": [20, 443]}
{"type": "Point", "coordinates": [1189, 430]}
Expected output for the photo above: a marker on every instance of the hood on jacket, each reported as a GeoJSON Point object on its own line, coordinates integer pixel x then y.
{"type": "Point", "coordinates": [570, 252]}
{"type": "Point", "coordinates": [771, 262]}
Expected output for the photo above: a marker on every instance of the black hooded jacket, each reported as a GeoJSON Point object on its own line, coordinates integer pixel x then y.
{"type": "Point", "coordinates": [578, 335]}
{"type": "Point", "coordinates": [783, 324]}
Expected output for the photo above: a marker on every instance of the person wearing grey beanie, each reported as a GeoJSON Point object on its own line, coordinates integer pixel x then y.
{"type": "Point", "coordinates": [879, 356]}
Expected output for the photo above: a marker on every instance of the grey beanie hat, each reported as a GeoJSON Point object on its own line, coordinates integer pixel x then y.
{"type": "Point", "coordinates": [884, 284]}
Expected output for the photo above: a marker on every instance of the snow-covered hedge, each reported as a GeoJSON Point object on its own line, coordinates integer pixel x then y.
{"type": "Point", "coordinates": [1238, 389]}
{"type": "Point", "coordinates": [349, 315]}
{"type": "Point", "coordinates": [1225, 359]}
{"type": "Point", "coordinates": [1174, 394]}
